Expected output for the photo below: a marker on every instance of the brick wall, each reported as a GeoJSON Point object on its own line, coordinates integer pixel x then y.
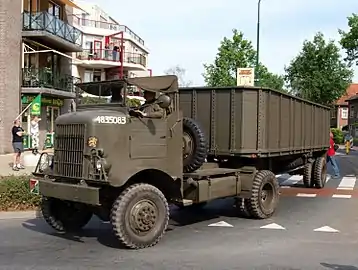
{"type": "Point", "coordinates": [10, 56]}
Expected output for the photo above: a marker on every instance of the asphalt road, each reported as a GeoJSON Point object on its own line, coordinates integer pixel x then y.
{"type": "Point", "coordinates": [289, 240]}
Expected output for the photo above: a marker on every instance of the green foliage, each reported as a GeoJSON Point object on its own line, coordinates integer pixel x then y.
{"type": "Point", "coordinates": [349, 40]}
{"type": "Point", "coordinates": [132, 102]}
{"type": "Point", "coordinates": [15, 194]}
{"type": "Point", "coordinates": [338, 135]}
{"type": "Point", "coordinates": [318, 72]}
{"type": "Point", "coordinates": [93, 100]}
{"type": "Point", "coordinates": [234, 53]}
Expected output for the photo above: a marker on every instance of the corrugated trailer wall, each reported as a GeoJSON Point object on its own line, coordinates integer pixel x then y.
{"type": "Point", "coordinates": [249, 121]}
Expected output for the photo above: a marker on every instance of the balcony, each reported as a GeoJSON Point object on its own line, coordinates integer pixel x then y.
{"type": "Point", "coordinates": [43, 80]}
{"type": "Point", "coordinates": [107, 26]}
{"type": "Point", "coordinates": [48, 29]}
{"type": "Point", "coordinates": [109, 58]}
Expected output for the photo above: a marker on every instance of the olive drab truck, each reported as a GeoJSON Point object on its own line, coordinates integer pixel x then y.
{"type": "Point", "coordinates": [210, 144]}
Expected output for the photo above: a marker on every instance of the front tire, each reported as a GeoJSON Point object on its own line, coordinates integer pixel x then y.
{"type": "Point", "coordinates": [65, 216]}
{"type": "Point", "coordinates": [264, 195]}
{"type": "Point", "coordinates": [140, 216]}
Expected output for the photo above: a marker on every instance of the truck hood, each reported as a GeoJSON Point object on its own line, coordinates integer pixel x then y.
{"type": "Point", "coordinates": [87, 117]}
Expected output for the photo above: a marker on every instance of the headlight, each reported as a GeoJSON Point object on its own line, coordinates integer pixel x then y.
{"type": "Point", "coordinates": [45, 162]}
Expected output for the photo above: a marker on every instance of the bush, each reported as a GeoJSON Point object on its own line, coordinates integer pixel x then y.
{"type": "Point", "coordinates": [338, 136]}
{"type": "Point", "coordinates": [15, 194]}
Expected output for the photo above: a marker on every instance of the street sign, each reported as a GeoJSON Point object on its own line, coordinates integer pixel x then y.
{"type": "Point", "coordinates": [245, 76]}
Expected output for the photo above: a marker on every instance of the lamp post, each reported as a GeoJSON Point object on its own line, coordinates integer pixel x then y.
{"type": "Point", "coordinates": [258, 43]}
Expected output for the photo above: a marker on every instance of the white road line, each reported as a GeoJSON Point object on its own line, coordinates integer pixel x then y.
{"type": "Point", "coordinates": [347, 183]}
{"type": "Point", "coordinates": [342, 196]}
{"type": "Point", "coordinates": [291, 180]}
{"type": "Point", "coordinates": [307, 195]}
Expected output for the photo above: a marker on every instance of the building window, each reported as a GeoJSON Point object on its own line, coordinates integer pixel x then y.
{"type": "Point", "coordinates": [351, 112]}
{"type": "Point", "coordinates": [92, 76]}
{"type": "Point", "coordinates": [54, 10]}
{"type": "Point", "coordinates": [344, 113]}
{"type": "Point", "coordinates": [333, 113]}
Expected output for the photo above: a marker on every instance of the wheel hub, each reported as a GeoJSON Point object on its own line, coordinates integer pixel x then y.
{"type": "Point", "coordinates": [267, 195]}
{"type": "Point", "coordinates": [144, 216]}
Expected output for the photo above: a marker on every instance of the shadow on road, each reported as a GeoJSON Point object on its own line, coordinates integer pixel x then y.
{"type": "Point", "coordinates": [339, 266]}
{"type": "Point", "coordinates": [102, 231]}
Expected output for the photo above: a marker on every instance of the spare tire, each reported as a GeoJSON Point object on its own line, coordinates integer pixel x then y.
{"type": "Point", "coordinates": [194, 145]}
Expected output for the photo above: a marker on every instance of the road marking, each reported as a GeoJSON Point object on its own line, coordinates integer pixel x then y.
{"type": "Point", "coordinates": [220, 224]}
{"type": "Point", "coordinates": [347, 183]}
{"type": "Point", "coordinates": [308, 195]}
{"type": "Point", "coordinates": [326, 229]}
{"type": "Point", "coordinates": [273, 226]}
{"type": "Point", "coordinates": [291, 180]}
{"type": "Point", "coordinates": [342, 196]}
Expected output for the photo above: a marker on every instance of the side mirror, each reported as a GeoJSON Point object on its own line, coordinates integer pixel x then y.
{"type": "Point", "coordinates": [164, 101]}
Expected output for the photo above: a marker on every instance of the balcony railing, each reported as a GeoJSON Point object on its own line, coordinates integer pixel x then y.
{"type": "Point", "coordinates": [113, 56]}
{"type": "Point", "coordinates": [44, 21]}
{"type": "Point", "coordinates": [44, 77]}
{"type": "Point", "coordinates": [106, 25]}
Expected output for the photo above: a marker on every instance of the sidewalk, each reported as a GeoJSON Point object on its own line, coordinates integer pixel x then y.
{"type": "Point", "coordinates": [7, 160]}
{"type": "Point", "coordinates": [6, 165]}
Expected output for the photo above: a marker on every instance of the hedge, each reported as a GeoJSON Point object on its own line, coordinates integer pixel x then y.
{"type": "Point", "coordinates": [15, 194]}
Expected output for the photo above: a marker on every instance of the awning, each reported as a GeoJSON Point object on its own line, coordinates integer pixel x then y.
{"type": "Point", "coordinates": [70, 4]}
{"type": "Point", "coordinates": [29, 50]}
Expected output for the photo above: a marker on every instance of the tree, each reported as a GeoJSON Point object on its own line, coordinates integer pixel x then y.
{"type": "Point", "coordinates": [180, 73]}
{"type": "Point", "coordinates": [234, 53]}
{"type": "Point", "coordinates": [349, 40]}
{"type": "Point", "coordinates": [318, 73]}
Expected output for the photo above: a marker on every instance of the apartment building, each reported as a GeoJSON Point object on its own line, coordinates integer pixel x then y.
{"type": "Point", "coordinates": [103, 37]}
{"type": "Point", "coordinates": [49, 39]}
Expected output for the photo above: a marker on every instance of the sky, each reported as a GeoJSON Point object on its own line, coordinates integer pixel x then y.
{"type": "Point", "coordinates": [188, 32]}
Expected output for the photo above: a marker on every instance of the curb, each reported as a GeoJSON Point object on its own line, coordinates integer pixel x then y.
{"type": "Point", "coordinates": [20, 215]}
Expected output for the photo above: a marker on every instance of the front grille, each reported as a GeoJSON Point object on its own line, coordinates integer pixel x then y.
{"type": "Point", "coordinates": [68, 150]}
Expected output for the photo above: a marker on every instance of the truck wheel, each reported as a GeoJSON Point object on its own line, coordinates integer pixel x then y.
{"type": "Point", "coordinates": [194, 145]}
{"type": "Point", "coordinates": [264, 195]}
{"type": "Point", "coordinates": [320, 172]}
{"type": "Point", "coordinates": [307, 175]}
{"type": "Point", "coordinates": [140, 216]}
{"type": "Point", "coordinates": [65, 216]}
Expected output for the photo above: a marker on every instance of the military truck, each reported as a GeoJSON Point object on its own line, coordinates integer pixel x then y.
{"type": "Point", "coordinates": [212, 143]}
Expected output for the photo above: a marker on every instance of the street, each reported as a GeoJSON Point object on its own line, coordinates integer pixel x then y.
{"type": "Point", "coordinates": [312, 229]}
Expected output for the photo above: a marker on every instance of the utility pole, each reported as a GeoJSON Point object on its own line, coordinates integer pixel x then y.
{"type": "Point", "coordinates": [257, 79]}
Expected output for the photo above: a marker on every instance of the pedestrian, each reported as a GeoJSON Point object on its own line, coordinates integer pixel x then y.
{"type": "Point", "coordinates": [35, 133]}
{"type": "Point", "coordinates": [331, 157]}
{"type": "Point", "coordinates": [17, 144]}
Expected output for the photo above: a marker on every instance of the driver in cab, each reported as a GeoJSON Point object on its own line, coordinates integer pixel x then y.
{"type": "Point", "coordinates": [149, 109]}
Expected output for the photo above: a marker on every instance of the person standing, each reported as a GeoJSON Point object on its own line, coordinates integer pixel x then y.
{"type": "Point", "coordinates": [331, 157]}
{"type": "Point", "coordinates": [35, 133]}
{"type": "Point", "coordinates": [17, 144]}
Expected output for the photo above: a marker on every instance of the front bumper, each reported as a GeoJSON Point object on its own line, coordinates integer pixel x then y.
{"type": "Point", "coordinates": [68, 192]}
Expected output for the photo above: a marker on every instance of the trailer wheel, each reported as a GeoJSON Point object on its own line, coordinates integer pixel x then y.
{"type": "Point", "coordinates": [194, 145]}
{"type": "Point", "coordinates": [65, 216]}
{"type": "Point", "coordinates": [264, 195]}
{"type": "Point", "coordinates": [307, 175]}
{"type": "Point", "coordinates": [140, 216]}
{"type": "Point", "coordinates": [320, 172]}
